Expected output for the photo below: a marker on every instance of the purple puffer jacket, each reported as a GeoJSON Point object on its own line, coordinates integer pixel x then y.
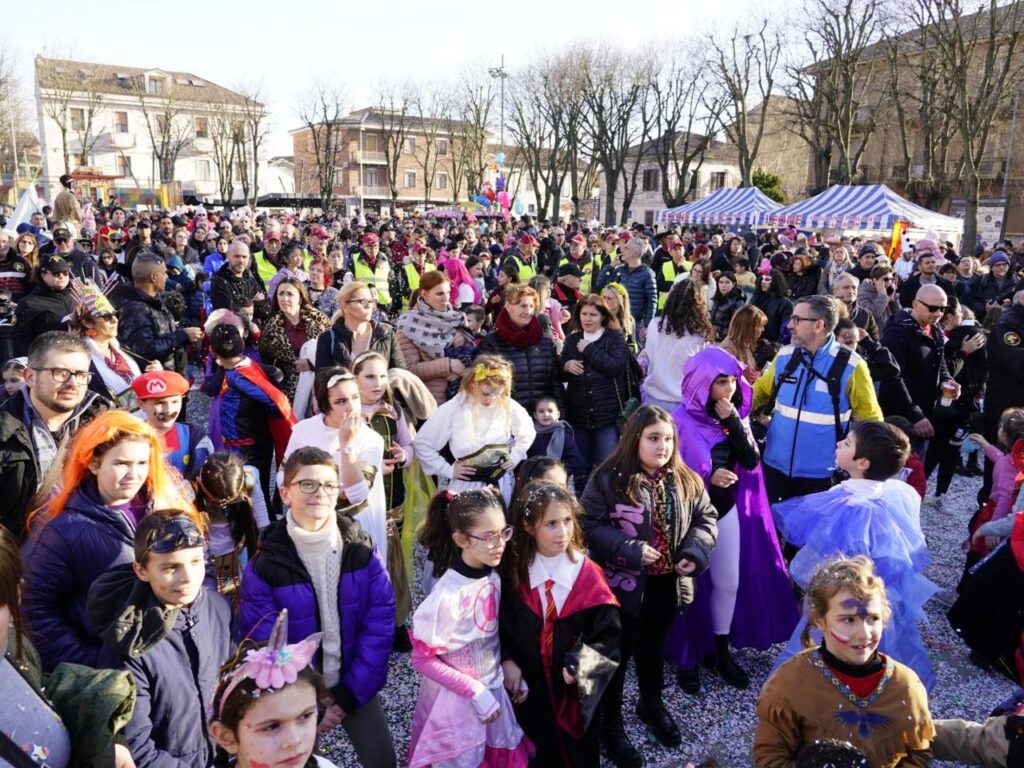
{"type": "Point", "coordinates": [276, 578]}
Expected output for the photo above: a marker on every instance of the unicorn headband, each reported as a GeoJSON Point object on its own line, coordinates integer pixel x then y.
{"type": "Point", "coordinates": [273, 666]}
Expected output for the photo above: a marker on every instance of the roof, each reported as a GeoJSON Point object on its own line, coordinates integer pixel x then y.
{"type": "Point", "coordinates": [723, 206]}
{"type": "Point", "coordinates": [862, 207]}
{"type": "Point", "coordinates": [128, 81]}
{"type": "Point", "coordinates": [370, 117]}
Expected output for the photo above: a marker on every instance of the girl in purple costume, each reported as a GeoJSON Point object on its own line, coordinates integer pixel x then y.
{"type": "Point", "coordinates": [745, 596]}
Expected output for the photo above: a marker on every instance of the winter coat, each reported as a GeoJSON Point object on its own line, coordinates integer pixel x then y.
{"type": "Point", "coordinates": [987, 289]}
{"type": "Point", "coordinates": [922, 365]}
{"type": "Point", "coordinates": [226, 288]}
{"type": "Point", "coordinates": [804, 284]}
{"type": "Point", "coordinates": [148, 331]}
{"type": "Point", "coordinates": [882, 306]}
{"type": "Point", "coordinates": [642, 289]}
{"type": "Point", "coordinates": [174, 655]}
{"type": "Point", "coordinates": [44, 309]}
{"type": "Point", "coordinates": [535, 371]}
{"type": "Point", "coordinates": [595, 398]}
{"type": "Point", "coordinates": [1005, 386]}
{"type": "Point", "coordinates": [724, 308]}
{"type": "Point", "coordinates": [433, 372]}
{"type": "Point", "coordinates": [74, 549]}
{"type": "Point", "coordinates": [778, 309]}
{"type": "Point", "coordinates": [276, 578]}
{"type": "Point", "coordinates": [334, 346]}
{"type": "Point", "coordinates": [276, 350]}
{"type": "Point", "coordinates": [910, 287]}
{"type": "Point", "coordinates": [616, 529]}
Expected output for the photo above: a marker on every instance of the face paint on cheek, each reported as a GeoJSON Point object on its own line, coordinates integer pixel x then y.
{"type": "Point", "coordinates": [861, 606]}
{"type": "Point", "coordinates": [838, 637]}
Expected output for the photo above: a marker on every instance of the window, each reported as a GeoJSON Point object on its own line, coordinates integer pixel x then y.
{"type": "Point", "coordinates": [371, 142]}
{"type": "Point", "coordinates": [120, 122]}
{"type": "Point", "coordinates": [202, 128]}
{"type": "Point", "coordinates": [531, 208]}
{"type": "Point", "coordinates": [77, 119]}
{"type": "Point", "coordinates": [124, 166]}
{"type": "Point", "coordinates": [441, 181]}
{"type": "Point", "coordinates": [442, 148]}
{"type": "Point", "coordinates": [371, 178]}
{"type": "Point", "coordinates": [203, 172]}
{"type": "Point", "coordinates": [154, 86]}
{"type": "Point", "coordinates": [410, 179]}
{"type": "Point", "coordinates": [410, 146]}
{"type": "Point", "coordinates": [717, 180]}
{"type": "Point", "coordinates": [651, 180]}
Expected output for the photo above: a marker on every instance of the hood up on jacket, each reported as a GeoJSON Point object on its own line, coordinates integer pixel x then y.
{"type": "Point", "coordinates": [128, 616]}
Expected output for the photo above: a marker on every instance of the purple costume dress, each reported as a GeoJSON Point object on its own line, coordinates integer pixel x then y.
{"type": "Point", "coordinates": [766, 608]}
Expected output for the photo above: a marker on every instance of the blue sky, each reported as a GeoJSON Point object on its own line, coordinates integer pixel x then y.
{"type": "Point", "coordinates": [284, 46]}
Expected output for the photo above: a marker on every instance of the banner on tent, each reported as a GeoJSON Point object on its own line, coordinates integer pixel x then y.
{"type": "Point", "coordinates": [991, 217]}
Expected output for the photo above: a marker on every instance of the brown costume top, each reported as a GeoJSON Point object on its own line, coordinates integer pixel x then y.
{"type": "Point", "coordinates": [805, 700]}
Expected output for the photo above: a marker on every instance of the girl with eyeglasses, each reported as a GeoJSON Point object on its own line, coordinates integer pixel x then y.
{"type": "Point", "coordinates": [464, 715]}
{"type": "Point", "coordinates": [113, 476]}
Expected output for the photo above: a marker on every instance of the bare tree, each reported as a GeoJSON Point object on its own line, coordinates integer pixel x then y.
{"type": "Point", "coordinates": [223, 133]}
{"type": "Point", "coordinates": [71, 98]}
{"type": "Point", "coordinates": [744, 66]}
{"type": "Point", "coordinates": [430, 105]}
{"type": "Point", "coordinates": [170, 127]}
{"type": "Point", "coordinates": [320, 111]}
{"type": "Point", "coordinates": [255, 127]}
{"type": "Point", "coordinates": [682, 109]}
{"type": "Point", "coordinates": [393, 113]}
{"type": "Point", "coordinates": [469, 130]}
{"type": "Point", "coordinates": [15, 135]}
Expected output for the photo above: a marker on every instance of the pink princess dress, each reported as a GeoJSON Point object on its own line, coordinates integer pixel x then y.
{"type": "Point", "coordinates": [456, 649]}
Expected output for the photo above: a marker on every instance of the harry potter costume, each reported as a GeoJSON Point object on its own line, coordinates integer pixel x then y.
{"type": "Point", "coordinates": [585, 632]}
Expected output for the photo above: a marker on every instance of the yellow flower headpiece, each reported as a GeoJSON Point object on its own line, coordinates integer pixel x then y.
{"type": "Point", "coordinates": [618, 287]}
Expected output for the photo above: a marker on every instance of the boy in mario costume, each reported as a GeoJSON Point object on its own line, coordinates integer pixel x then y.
{"type": "Point", "coordinates": [160, 394]}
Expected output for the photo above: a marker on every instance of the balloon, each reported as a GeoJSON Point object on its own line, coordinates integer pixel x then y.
{"type": "Point", "coordinates": [470, 216]}
{"type": "Point", "coordinates": [500, 158]}
{"type": "Point", "coordinates": [499, 184]}
{"type": "Point", "coordinates": [489, 193]}
{"type": "Point", "coordinates": [503, 200]}
{"type": "Point", "coordinates": [518, 207]}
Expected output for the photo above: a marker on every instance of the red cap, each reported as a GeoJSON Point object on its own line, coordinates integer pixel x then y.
{"type": "Point", "coordinates": [369, 239]}
{"type": "Point", "coordinates": [318, 231]}
{"type": "Point", "coordinates": [611, 237]}
{"type": "Point", "coordinates": [625, 236]}
{"type": "Point", "coordinates": [528, 239]}
{"type": "Point", "coordinates": [272, 235]}
{"type": "Point", "coordinates": [578, 239]}
{"type": "Point", "coordinates": [157, 384]}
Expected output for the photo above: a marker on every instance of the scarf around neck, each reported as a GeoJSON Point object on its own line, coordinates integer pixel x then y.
{"type": "Point", "coordinates": [510, 333]}
{"type": "Point", "coordinates": [430, 330]}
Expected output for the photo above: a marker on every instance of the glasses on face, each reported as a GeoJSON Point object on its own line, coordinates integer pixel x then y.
{"type": "Point", "coordinates": [62, 375]}
{"type": "Point", "coordinates": [932, 307]}
{"type": "Point", "coordinates": [886, 279]}
{"type": "Point", "coordinates": [492, 539]}
{"type": "Point", "coordinates": [107, 316]}
{"type": "Point", "coordinates": [798, 319]}
{"type": "Point", "coordinates": [362, 302]}
{"type": "Point", "coordinates": [309, 487]}
{"type": "Point", "coordinates": [179, 533]}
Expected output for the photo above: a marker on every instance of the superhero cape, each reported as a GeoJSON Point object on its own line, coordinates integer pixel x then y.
{"type": "Point", "coordinates": [574, 714]}
{"type": "Point", "coordinates": [280, 426]}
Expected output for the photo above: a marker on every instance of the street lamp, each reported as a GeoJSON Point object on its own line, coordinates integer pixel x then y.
{"type": "Point", "coordinates": [499, 72]}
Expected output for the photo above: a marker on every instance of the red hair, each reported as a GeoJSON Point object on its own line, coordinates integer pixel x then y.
{"type": "Point", "coordinates": [92, 441]}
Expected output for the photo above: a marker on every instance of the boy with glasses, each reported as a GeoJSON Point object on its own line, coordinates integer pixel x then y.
{"type": "Point", "coordinates": [158, 621]}
{"type": "Point", "coordinates": [321, 566]}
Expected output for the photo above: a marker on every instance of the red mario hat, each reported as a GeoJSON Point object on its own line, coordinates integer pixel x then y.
{"type": "Point", "coordinates": [157, 384]}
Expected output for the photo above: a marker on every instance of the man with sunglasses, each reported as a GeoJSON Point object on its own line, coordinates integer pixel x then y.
{"type": "Point", "coordinates": [173, 635]}
{"type": "Point", "coordinates": [35, 420]}
{"type": "Point", "coordinates": [48, 307]}
{"type": "Point", "coordinates": [916, 341]}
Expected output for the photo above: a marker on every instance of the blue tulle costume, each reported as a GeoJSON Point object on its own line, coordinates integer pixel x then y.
{"type": "Point", "coordinates": [883, 521]}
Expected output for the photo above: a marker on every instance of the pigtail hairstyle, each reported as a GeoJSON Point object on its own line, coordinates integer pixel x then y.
{"type": "Point", "coordinates": [531, 509]}
{"type": "Point", "coordinates": [857, 574]}
{"type": "Point", "coordinates": [449, 513]}
{"type": "Point", "coordinates": [224, 493]}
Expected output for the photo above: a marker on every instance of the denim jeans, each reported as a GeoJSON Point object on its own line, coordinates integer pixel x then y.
{"type": "Point", "coordinates": [594, 445]}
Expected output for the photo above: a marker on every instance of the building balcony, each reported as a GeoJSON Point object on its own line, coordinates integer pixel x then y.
{"type": "Point", "coordinates": [371, 157]}
{"type": "Point", "coordinates": [202, 144]}
{"type": "Point", "coordinates": [122, 140]}
{"type": "Point", "coordinates": [379, 192]}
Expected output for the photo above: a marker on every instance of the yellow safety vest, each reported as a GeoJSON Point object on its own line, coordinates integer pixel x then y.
{"type": "Point", "coordinates": [264, 268]}
{"type": "Point", "coordinates": [412, 276]}
{"type": "Point", "coordinates": [378, 278]}
{"type": "Point", "coordinates": [526, 271]}
{"type": "Point", "coordinates": [588, 274]}
{"type": "Point", "coordinates": [668, 271]}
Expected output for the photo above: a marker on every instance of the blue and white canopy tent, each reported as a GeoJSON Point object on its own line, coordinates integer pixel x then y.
{"type": "Point", "coordinates": [862, 208]}
{"type": "Point", "coordinates": [744, 206]}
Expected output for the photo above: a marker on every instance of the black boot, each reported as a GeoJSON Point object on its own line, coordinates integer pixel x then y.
{"type": "Point", "coordinates": [727, 667]}
{"type": "Point", "coordinates": [659, 722]}
{"type": "Point", "coordinates": [401, 643]}
{"type": "Point", "coordinates": [617, 745]}
{"type": "Point", "coordinates": [689, 680]}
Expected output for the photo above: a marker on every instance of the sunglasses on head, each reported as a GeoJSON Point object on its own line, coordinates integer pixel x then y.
{"type": "Point", "coordinates": [176, 533]}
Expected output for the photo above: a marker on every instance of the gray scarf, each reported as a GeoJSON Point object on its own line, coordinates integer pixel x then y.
{"type": "Point", "coordinates": [431, 331]}
{"type": "Point", "coordinates": [557, 442]}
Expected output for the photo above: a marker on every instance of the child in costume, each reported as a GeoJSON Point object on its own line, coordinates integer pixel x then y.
{"type": "Point", "coordinates": [160, 395]}
{"type": "Point", "coordinates": [265, 705]}
{"type": "Point", "coordinates": [559, 626]}
{"type": "Point", "coordinates": [984, 527]}
{"type": "Point", "coordinates": [648, 521]}
{"type": "Point", "coordinates": [388, 421]}
{"type": "Point", "coordinates": [845, 689]}
{"type": "Point", "coordinates": [463, 714]}
{"type": "Point", "coordinates": [872, 514]}
{"type": "Point", "coordinates": [745, 596]}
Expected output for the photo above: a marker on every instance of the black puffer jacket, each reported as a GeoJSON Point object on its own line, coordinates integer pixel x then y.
{"type": "Point", "coordinates": [724, 308]}
{"type": "Point", "coordinates": [922, 366]}
{"type": "Point", "coordinates": [593, 399]}
{"type": "Point", "coordinates": [778, 309]}
{"type": "Point", "coordinates": [44, 309]}
{"type": "Point", "coordinates": [534, 369]}
{"type": "Point", "coordinates": [334, 346]}
{"type": "Point", "coordinates": [987, 289]}
{"type": "Point", "coordinates": [148, 331]}
{"type": "Point", "coordinates": [226, 289]}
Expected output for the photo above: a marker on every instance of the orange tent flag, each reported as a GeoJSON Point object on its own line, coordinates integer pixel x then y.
{"type": "Point", "coordinates": [896, 244]}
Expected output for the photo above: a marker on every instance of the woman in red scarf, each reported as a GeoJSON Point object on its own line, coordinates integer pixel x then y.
{"type": "Point", "coordinates": [519, 337]}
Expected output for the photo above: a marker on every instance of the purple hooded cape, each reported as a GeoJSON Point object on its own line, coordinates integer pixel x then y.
{"type": "Point", "coordinates": [766, 606]}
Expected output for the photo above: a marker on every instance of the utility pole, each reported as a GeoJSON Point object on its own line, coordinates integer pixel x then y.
{"type": "Point", "coordinates": [500, 73]}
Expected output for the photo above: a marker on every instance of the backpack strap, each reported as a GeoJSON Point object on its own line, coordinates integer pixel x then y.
{"type": "Point", "coordinates": [834, 378]}
{"type": "Point", "coordinates": [794, 363]}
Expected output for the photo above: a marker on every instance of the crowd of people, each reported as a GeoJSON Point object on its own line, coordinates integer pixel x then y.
{"type": "Point", "coordinates": [586, 444]}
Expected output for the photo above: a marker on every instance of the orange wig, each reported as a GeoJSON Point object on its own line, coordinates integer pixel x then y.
{"type": "Point", "coordinates": [92, 441]}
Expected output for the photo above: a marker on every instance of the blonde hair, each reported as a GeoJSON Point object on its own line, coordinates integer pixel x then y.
{"type": "Point", "coordinates": [856, 574]}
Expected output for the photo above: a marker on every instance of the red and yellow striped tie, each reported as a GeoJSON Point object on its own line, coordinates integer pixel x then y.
{"type": "Point", "coordinates": [550, 614]}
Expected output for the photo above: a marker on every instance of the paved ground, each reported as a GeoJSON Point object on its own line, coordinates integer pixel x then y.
{"type": "Point", "coordinates": [718, 724]}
